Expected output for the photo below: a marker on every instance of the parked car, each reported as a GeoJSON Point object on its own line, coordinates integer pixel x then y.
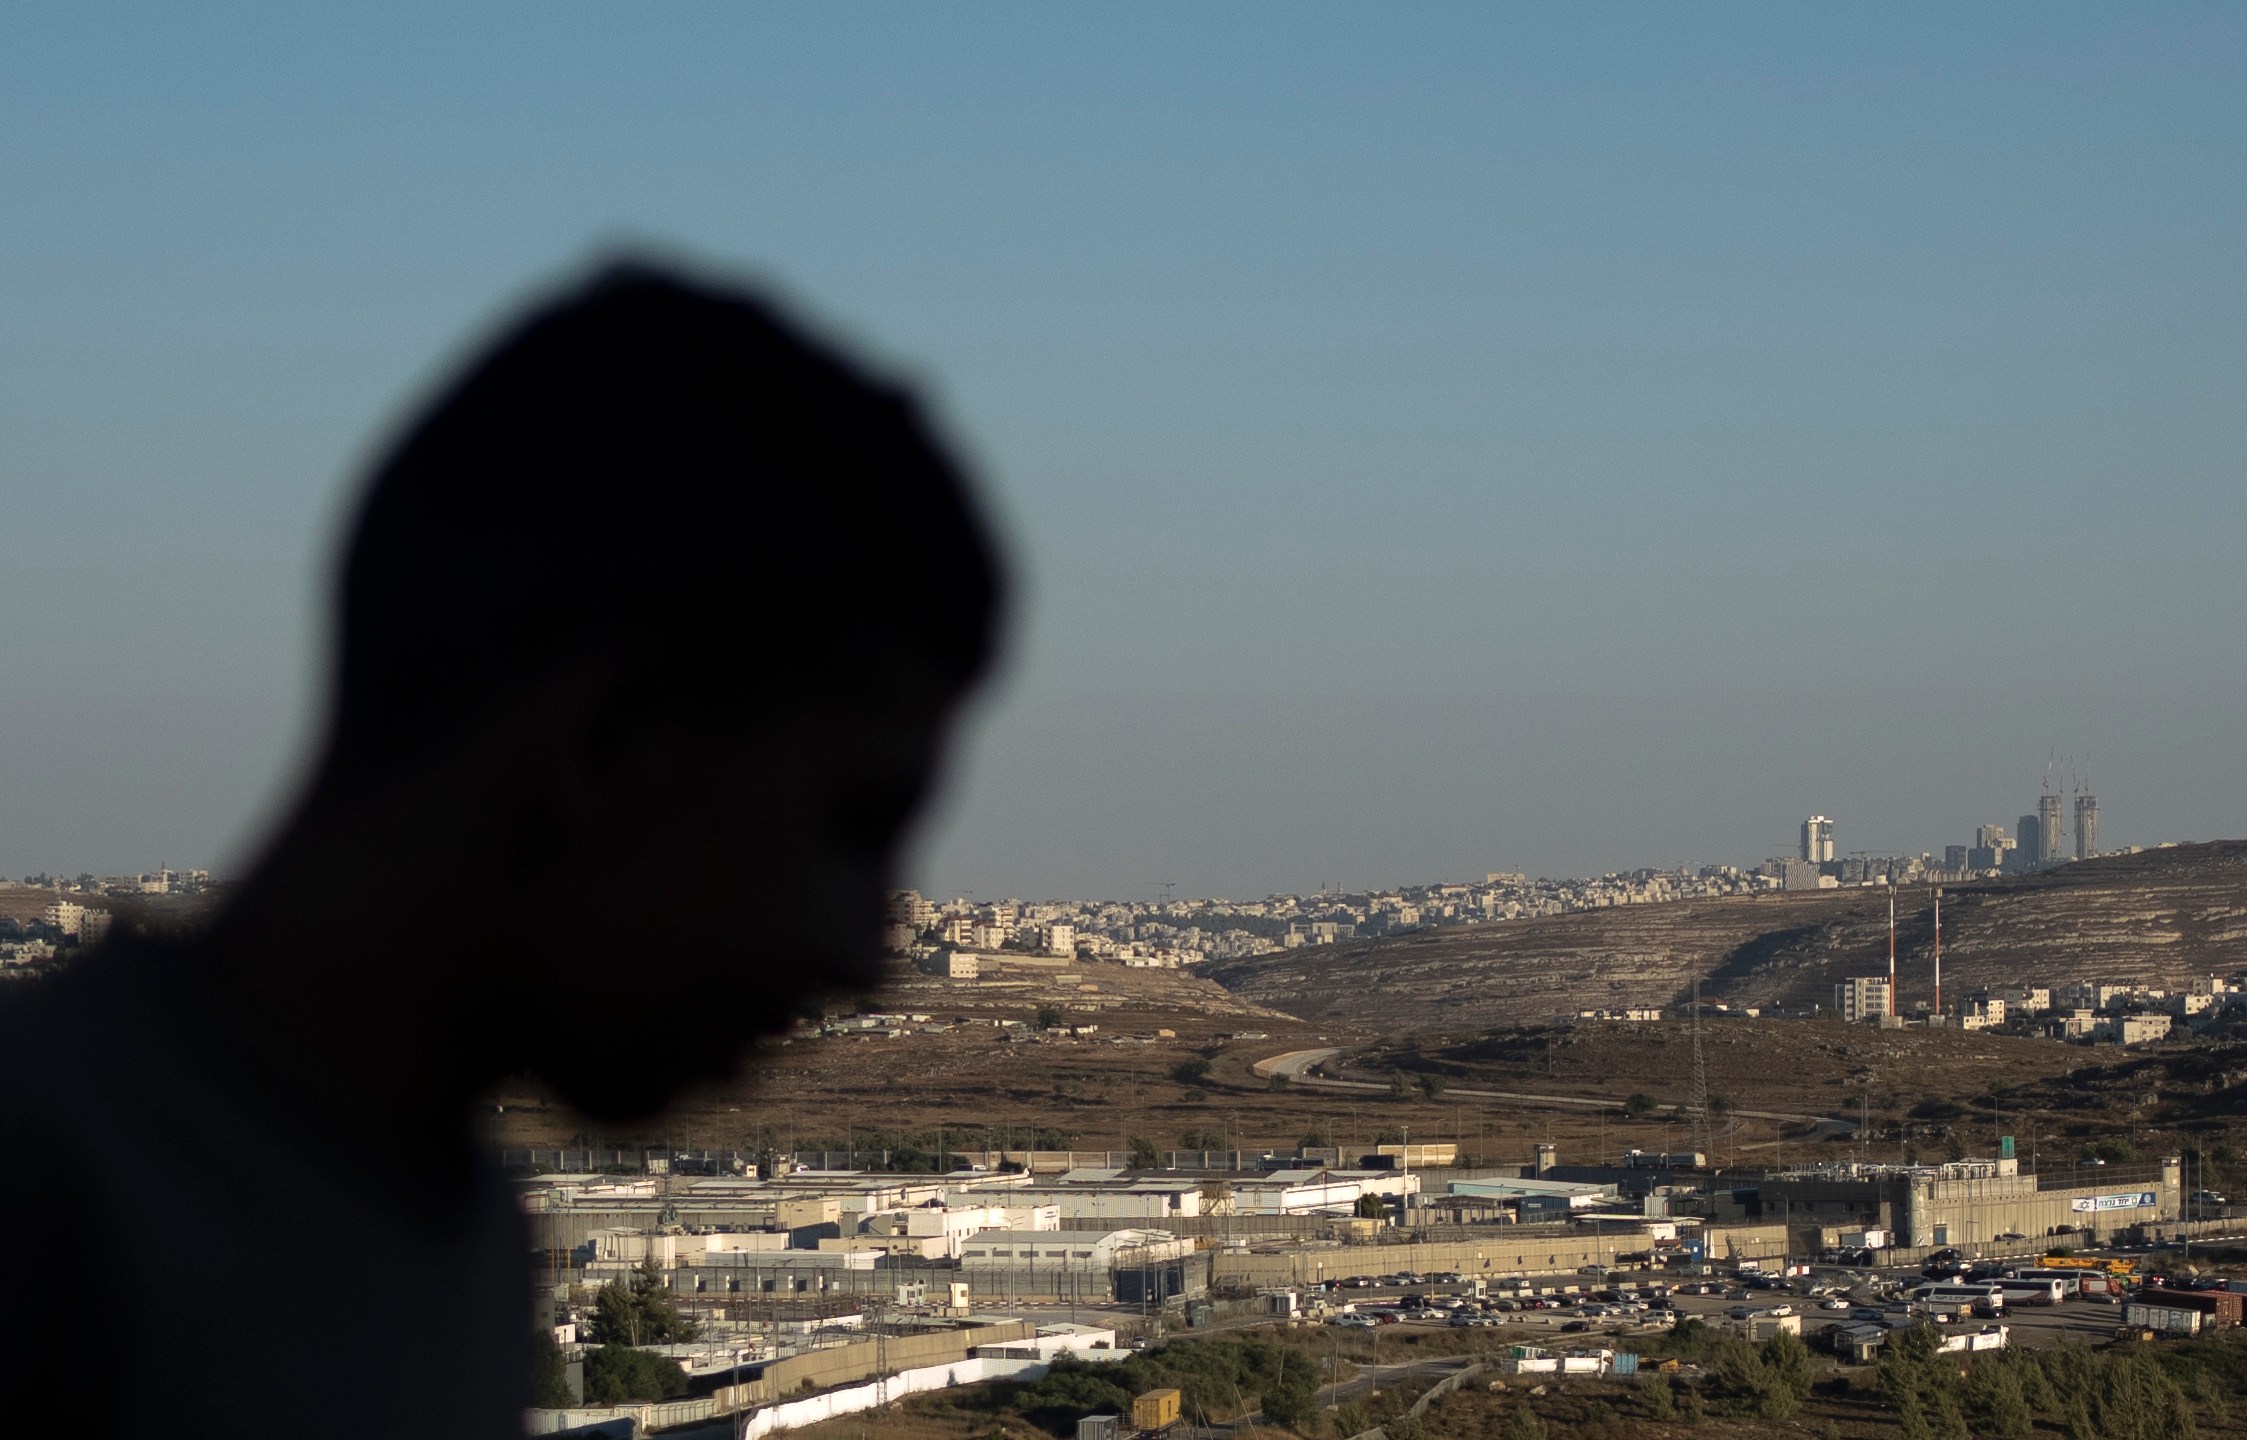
{"type": "Point", "coordinates": [1575, 1327]}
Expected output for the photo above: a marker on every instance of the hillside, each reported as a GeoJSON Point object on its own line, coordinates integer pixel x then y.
{"type": "Point", "coordinates": [2160, 917]}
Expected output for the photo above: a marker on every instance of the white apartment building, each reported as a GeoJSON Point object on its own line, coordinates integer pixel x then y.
{"type": "Point", "coordinates": [2027, 999]}
{"type": "Point", "coordinates": [2139, 1029]}
{"type": "Point", "coordinates": [1982, 1012]}
{"type": "Point", "coordinates": [1863, 997]}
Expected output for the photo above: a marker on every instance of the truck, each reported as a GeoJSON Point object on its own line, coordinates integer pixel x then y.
{"type": "Point", "coordinates": [1154, 1412]}
{"type": "Point", "coordinates": [2161, 1319]}
{"type": "Point", "coordinates": [2219, 1307]}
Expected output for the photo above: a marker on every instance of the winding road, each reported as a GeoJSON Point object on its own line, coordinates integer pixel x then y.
{"type": "Point", "coordinates": [1300, 1067]}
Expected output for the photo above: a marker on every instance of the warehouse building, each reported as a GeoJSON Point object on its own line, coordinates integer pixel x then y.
{"type": "Point", "coordinates": [1972, 1203]}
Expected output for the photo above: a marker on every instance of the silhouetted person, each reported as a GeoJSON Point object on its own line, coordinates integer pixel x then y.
{"type": "Point", "coordinates": [651, 631]}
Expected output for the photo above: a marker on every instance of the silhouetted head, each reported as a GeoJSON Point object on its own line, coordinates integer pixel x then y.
{"type": "Point", "coordinates": [704, 596]}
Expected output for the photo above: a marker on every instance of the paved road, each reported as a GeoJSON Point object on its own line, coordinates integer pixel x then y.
{"type": "Point", "coordinates": [1369, 1377]}
{"type": "Point", "coordinates": [1300, 1067]}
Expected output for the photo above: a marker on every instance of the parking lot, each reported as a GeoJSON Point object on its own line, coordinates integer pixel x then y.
{"type": "Point", "coordinates": [1547, 1308]}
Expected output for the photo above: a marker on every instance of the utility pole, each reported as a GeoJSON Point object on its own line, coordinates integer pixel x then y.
{"type": "Point", "coordinates": [1938, 952]}
{"type": "Point", "coordinates": [1891, 945]}
{"type": "Point", "coordinates": [1700, 1098]}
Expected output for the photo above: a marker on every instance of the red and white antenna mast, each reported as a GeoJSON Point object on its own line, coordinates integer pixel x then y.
{"type": "Point", "coordinates": [1938, 952]}
{"type": "Point", "coordinates": [1891, 944]}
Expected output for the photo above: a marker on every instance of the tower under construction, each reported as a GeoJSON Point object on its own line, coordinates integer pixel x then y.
{"type": "Point", "coordinates": [2047, 827]}
{"type": "Point", "coordinates": [2086, 825]}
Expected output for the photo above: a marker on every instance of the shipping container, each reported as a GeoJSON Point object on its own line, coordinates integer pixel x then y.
{"type": "Point", "coordinates": [2222, 1307]}
{"type": "Point", "coordinates": [2165, 1319]}
{"type": "Point", "coordinates": [1155, 1411]}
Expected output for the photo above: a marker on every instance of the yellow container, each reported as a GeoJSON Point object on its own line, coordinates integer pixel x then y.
{"type": "Point", "coordinates": [1155, 1410]}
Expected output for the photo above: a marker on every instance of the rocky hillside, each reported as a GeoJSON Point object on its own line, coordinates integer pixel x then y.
{"type": "Point", "coordinates": [2160, 917]}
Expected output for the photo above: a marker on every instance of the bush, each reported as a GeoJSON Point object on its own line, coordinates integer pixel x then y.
{"type": "Point", "coordinates": [638, 1311]}
{"type": "Point", "coordinates": [1291, 1399]}
{"type": "Point", "coordinates": [616, 1373]}
{"type": "Point", "coordinates": [1523, 1424]}
{"type": "Point", "coordinates": [1787, 1361]}
{"type": "Point", "coordinates": [549, 1381]}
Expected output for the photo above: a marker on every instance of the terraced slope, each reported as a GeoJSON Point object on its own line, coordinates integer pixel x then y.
{"type": "Point", "coordinates": [2161, 917]}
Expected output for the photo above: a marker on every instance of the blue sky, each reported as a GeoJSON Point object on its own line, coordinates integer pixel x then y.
{"type": "Point", "coordinates": [1434, 440]}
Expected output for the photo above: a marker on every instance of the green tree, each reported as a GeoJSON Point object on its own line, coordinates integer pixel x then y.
{"type": "Point", "coordinates": [616, 1373]}
{"type": "Point", "coordinates": [550, 1387]}
{"type": "Point", "coordinates": [1276, 1081]}
{"type": "Point", "coordinates": [1049, 1017]}
{"type": "Point", "coordinates": [1292, 1397]}
{"type": "Point", "coordinates": [1787, 1362]}
{"type": "Point", "coordinates": [1190, 1072]}
{"type": "Point", "coordinates": [1995, 1401]}
{"type": "Point", "coordinates": [638, 1311]}
{"type": "Point", "coordinates": [1202, 1140]}
{"type": "Point", "coordinates": [1370, 1207]}
{"type": "Point", "coordinates": [1143, 1155]}
{"type": "Point", "coordinates": [1399, 1087]}
{"type": "Point", "coordinates": [1523, 1424]}
{"type": "Point", "coordinates": [1661, 1400]}
{"type": "Point", "coordinates": [1639, 1104]}
{"type": "Point", "coordinates": [1431, 1086]}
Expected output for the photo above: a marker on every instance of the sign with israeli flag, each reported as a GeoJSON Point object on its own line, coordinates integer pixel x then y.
{"type": "Point", "coordinates": [2131, 1200]}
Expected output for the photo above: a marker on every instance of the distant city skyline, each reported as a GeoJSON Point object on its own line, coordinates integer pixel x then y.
{"type": "Point", "coordinates": [1562, 441]}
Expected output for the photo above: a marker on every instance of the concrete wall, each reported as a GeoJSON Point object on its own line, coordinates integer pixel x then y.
{"type": "Point", "coordinates": [860, 1359]}
{"type": "Point", "coordinates": [1503, 1253]}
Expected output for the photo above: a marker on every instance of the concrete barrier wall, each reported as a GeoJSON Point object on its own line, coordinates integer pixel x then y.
{"type": "Point", "coordinates": [837, 1366]}
{"type": "Point", "coordinates": [861, 1359]}
{"type": "Point", "coordinates": [1500, 1254]}
{"type": "Point", "coordinates": [813, 1409]}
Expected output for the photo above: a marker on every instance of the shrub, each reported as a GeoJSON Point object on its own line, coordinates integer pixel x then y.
{"type": "Point", "coordinates": [615, 1373]}
{"type": "Point", "coordinates": [1523, 1424]}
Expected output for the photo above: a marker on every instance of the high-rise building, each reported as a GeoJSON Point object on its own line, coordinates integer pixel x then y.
{"type": "Point", "coordinates": [1817, 840]}
{"type": "Point", "coordinates": [1991, 837]}
{"type": "Point", "coordinates": [2031, 838]}
{"type": "Point", "coordinates": [2048, 828]}
{"type": "Point", "coordinates": [1954, 858]}
{"type": "Point", "coordinates": [1864, 997]}
{"type": "Point", "coordinates": [2086, 826]}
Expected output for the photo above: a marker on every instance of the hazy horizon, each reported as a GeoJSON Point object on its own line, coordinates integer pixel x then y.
{"type": "Point", "coordinates": [1429, 444]}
